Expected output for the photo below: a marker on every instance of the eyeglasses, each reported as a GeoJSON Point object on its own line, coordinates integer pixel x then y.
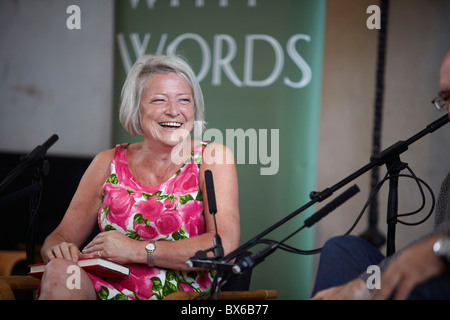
{"type": "Point", "coordinates": [440, 103]}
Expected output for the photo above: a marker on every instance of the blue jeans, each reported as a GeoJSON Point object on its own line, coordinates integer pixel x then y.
{"type": "Point", "coordinates": [344, 258]}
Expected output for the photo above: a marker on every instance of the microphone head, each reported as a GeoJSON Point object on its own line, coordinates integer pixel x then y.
{"type": "Point", "coordinates": [210, 192]}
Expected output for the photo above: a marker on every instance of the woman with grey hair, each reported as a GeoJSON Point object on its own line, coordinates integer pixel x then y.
{"type": "Point", "coordinates": [148, 198]}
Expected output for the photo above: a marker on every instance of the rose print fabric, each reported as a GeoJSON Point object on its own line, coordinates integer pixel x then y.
{"type": "Point", "coordinates": [170, 211]}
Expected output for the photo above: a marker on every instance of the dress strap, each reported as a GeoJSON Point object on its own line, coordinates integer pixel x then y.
{"type": "Point", "coordinates": [120, 155]}
{"type": "Point", "coordinates": [201, 146]}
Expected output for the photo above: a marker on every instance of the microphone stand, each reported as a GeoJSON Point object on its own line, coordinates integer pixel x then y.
{"type": "Point", "coordinates": [389, 156]}
{"type": "Point", "coordinates": [40, 168]}
{"type": "Point", "coordinates": [250, 261]}
{"type": "Point", "coordinates": [200, 258]}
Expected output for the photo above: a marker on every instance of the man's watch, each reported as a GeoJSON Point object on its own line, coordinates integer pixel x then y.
{"type": "Point", "coordinates": [442, 249]}
{"type": "Point", "coordinates": [151, 247]}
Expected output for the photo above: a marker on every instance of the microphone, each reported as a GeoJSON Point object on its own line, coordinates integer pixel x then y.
{"type": "Point", "coordinates": [40, 150]}
{"type": "Point", "coordinates": [28, 160]}
{"type": "Point", "coordinates": [249, 262]}
{"type": "Point", "coordinates": [210, 192]}
{"type": "Point", "coordinates": [218, 249]}
{"type": "Point", "coordinates": [210, 264]}
{"type": "Point", "coordinates": [331, 206]}
{"type": "Point", "coordinates": [258, 257]}
{"type": "Point", "coordinates": [200, 259]}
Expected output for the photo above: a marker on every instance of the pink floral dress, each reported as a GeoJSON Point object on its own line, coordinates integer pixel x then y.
{"type": "Point", "coordinates": [170, 211]}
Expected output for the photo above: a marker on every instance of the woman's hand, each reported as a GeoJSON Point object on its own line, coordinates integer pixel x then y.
{"type": "Point", "coordinates": [63, 250]}
{"type": "Point", "coordinates": [115, 246]}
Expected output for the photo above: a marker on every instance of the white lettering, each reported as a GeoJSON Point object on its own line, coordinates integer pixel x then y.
{"type": "Point", "coordinates": [199, 3]}
{"type": "Point", "coordinates": [74, 281]}
{"type": "Point", "coordinates": [175, 3]}
{"type": "Point", "coordinates": [213, 135]}
{"type": "Point", "coordinates": [206, 61]}
{"type": "Point", "coordinates": [236, 141]}
{"type": "Point", "coordinates": [248, 60]}
{"type": "Point", "coordinates": [124, 55]}
{"type": "Point", "coordinates": [162, 43]}
{"type": "Point", "coordinates": [299, 61]}
{"type": "Point", "coordinates": [263, 156]}
{"type": "Point", "coordinates": [73, 21]}
{"type": "Point", "coordinates": [196, 310]}
{"type": "Point", "coordinates": [241, 136]}
{"type": "Point", "coordinates": [138, 46]}
{"type": "Point", "coordinates": [220, 60]}
{"type": "Point", "coordinates": [373, 282]}
{"type": "Point", "coordinates": [373, 22]}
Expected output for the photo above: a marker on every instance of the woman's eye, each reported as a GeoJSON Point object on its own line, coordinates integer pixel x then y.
{"type": "Point", "coordinates": [185, 100]}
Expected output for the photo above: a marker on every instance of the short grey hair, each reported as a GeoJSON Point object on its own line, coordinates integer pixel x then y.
{"type": "Point", "coordinates": [146, 67]}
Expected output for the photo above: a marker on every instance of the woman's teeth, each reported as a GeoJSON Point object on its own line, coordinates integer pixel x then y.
{"type": "Point", "coordinates": [170, 124]}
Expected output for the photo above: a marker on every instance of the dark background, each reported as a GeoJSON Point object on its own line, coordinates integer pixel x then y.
{"type": "Point", "coordinates": [59, 187]}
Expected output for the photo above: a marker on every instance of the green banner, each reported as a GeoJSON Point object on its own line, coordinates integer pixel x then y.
{"type": "Point", "coordinates": [259, 63]}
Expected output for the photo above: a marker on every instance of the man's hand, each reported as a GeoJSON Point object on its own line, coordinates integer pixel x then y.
{"type": "Point", "coordinates": [353, 290]}
{"type": "Point", "coordinates": [410, 268]}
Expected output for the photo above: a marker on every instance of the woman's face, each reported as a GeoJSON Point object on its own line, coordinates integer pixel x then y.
{"type": "Point", "coordinates": [167, 108]}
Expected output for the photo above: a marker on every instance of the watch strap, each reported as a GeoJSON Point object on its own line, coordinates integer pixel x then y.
{"type": "Point", "coordinates": [150, 261]}
{"type": "Point", "coordinates": [149, 258]}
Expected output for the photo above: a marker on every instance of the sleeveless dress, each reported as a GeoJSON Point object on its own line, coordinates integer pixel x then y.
{"type": "Point", "coordinates": [170, 211]}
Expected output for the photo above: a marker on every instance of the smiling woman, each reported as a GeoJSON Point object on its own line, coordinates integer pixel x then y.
{"type": "Point", "coordinates": [143, 70]}
{"type": "Point", "coordinates": [167, 105]}
{"type": "Point", "coordinates": [150, 209]}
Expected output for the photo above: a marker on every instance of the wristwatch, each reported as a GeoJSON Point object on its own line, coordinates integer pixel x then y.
{"type": "Point", "coordinates": [442, 249]}
{"type": "Point", "coordinates": [151, 247]}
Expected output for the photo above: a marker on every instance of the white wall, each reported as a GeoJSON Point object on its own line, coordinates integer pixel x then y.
{"type": "Point", "coordinates": [55, 80]}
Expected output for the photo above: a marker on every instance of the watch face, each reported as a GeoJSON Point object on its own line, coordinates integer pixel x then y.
{"type": "Point", "coordinates": [150, 246]}
{"type": "Point", "coordinates": [442, 247]}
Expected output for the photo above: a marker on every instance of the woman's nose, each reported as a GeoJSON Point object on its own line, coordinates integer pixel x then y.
{"type": "Point", "coordinates": [172, 109]}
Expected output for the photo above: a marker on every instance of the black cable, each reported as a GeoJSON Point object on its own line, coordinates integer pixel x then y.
{"type": "Point", "coordinates": [368, 202]}
{"type": "Point", "coordinates": [423, 198]}
{"type": "Point", "coordinates": [411, 213]}
{"type": "Point", "coordinates": [418, 181]}
{"type": "Point", "coordinates": [372, 196]}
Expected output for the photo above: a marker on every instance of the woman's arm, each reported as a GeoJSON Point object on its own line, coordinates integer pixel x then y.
{"type": "Point", "coordinates": [81, 215]}
{"type": "Point", "coordinates": [225, 179]}
{"type": "Point", "coordinates": [220, 161]}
